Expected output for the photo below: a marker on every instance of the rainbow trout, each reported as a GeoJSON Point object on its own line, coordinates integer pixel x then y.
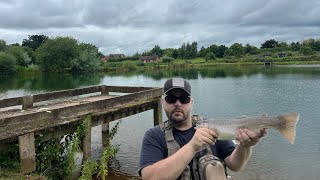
{"type": "Point", "coordinates": [285, 124]}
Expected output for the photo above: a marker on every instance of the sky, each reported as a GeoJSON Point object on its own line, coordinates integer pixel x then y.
{"type": "Point", "coordinates": [130, 26]}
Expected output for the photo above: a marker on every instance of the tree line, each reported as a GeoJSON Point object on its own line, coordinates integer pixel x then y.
{"type": "Point", "coordinates": [50, 54]}
{"type": "Point", "coordinates": [237, 50]}
{"type": "Point", "coordinates": [58, 54]}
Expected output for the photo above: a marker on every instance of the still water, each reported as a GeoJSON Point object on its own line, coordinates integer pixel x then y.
{"type": "Point", "coordinates": [219, 92]}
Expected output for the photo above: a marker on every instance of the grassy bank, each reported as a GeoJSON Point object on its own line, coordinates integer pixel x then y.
{"type": "Point", "coordinates": [127, 66]}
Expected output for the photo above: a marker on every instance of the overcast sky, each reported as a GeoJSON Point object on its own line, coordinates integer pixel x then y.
{"type": "Point", "coordinates": [128, 26]}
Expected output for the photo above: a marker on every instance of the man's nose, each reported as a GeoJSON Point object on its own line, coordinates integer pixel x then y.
{"type": "Point", "coordinates": [177, 103]}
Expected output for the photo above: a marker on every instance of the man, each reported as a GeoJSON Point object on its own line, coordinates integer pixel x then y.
{"type": "Point", "coordinates": [177, 104]}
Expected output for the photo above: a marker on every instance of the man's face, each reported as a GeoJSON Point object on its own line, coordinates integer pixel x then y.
{"type": "Point", "coordinates": [177, 111]}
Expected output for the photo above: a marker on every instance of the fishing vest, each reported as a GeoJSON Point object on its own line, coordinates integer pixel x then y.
{"type": "Point", "coordinates": [206, 167]}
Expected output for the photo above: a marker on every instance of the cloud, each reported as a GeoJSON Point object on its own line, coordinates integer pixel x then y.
{"type": "Point", "coordinates": [128, 26]}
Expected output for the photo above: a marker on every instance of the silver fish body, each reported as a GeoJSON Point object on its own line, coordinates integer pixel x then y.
{"type": "Point", "coordinates": [285, 124]}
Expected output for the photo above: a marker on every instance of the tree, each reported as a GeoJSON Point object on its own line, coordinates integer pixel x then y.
{"type": "Point", "coordinates": [3, 45]}
{"type": "Point", "coordinates": [167, 59]}
{"type": "Point", "coordinates": [270, 44]}
{"type": "Point", "coordinates": [248, 49]}
{"type": "Point", "coordinates": [30, 53]}
{"type": "Point", "coordinates": [87, 61]}
{"type": "Point", "coordinates": [237, 49]}
{"type": "Point", "coordinates": [194, 50]}
{"type": "Point", "coordinates": [175, 54]}
{"type": "Point", "coordinates": [7, 63]}
{"type": "Point", "coordinates": [295, 46]}
{"type": "Point", "coordinates": [219, 52]}
{"type": "Point", "coordinates": [202, 52]}
{"type": "Point", "coordinates": [182, 51]}
{"type": "Point", "coordinates": [56, 54]}
{"type": "Point", "coordinates": [22, 58]}
{"type": "Point", "coordinates": [188, 54]}
{"type": "Point", "coordinates": [34, 41]}
{"type": "Point", "coordinates": [167, 52]}
{"type": "Point", "coordinates": [15, 44]}
{"type": "Point", "coordinates": [283, 45]}
{"type": "Point", "coordinates": [210, 56]}
{"type": "Point", "coordinates": [228, 52]}
{"type": "Point", "coordinates": [307, 51]}
{"type": "Point", "coordinates": [88, 46]}
{"type": "Point", "coordinates": [157, 51]}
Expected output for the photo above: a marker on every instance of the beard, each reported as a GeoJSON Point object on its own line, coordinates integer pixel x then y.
{"type": "Point", "coordinates": [178, 116]}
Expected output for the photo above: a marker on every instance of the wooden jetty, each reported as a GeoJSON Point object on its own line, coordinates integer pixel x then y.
{"type": "Point", "coordinates": [55, 114]}
{"type": "Point", "coordinates": [269, 63]}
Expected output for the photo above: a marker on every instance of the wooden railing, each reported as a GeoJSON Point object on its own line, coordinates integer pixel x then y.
{"type": "Point", "coordinates": [60, 118]}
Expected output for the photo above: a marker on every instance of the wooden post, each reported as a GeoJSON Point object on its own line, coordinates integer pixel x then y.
{"type": "Point", "coordinates": [104, 90]}
{"type": "Point", "coordinates": [105, 135]}
{"type": "Point", "coordinates": [27, 153]}
{"type": "Point", "coordinates": [27, 102]}
{"type": "Point", "coordinates": [86, 143]}
{"type": "Point", "coordinates": [157, 113]}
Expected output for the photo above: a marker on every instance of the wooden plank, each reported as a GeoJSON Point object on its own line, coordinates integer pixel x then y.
{"type": "Point", "coordinates": [66, 93]}
{"type": "Point", "coordinates": [86, 143]}
{"type": "Point", "coordinates": [102, 117]}
{"type": "Point", "coordinates": [10, 102]}
{"type": "Point", "coordinates": [31, 120]}
{"type": "Point", "coordinates": [127, 89]}
{"type": "Point", "coordinates": [72, 92]}
{"type": "Point", "coordinates": [105, 134]}
{"type": "Point", "coordinates": [27, 102]}
{"type": "Point", "coordinates": [27, 153]}
{"type": "Point", "coordinates": [104, 90]}
{"type": "Point", "coordinates": [157, 113]}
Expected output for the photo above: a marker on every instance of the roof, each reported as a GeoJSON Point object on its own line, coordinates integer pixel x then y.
{"type": "Point", "coordinates": [148, 57]}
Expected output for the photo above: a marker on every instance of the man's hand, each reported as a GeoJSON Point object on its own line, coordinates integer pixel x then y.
{"type": "Point", "coordinates": [249, 138]}
{"type": "Point", "coordinates": [201, 137]}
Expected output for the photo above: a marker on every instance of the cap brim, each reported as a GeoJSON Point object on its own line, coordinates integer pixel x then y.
{"type": "Point", "coordinates": [177, 88]}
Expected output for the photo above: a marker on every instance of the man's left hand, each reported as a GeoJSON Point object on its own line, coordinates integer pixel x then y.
{"type": "Point", "coordinates": [249, 138]}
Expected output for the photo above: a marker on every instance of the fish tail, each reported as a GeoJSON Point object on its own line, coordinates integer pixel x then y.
{"type": "Point", "coordinates": [287, 126]}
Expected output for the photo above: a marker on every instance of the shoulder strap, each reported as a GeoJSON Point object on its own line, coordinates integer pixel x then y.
{"type": "Point", "coordinates": [172, 144]}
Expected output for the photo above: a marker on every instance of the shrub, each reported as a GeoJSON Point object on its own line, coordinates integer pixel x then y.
{"type": "Point", "coordinates": [55, 55]}
{"type": "Point", "coordinates": [289, 54]}
{"type": "Point", "coordinates": [128, 65]}
{"type": "Point", "coordinates": [210, 56]}
{"type": "Point", "coordinates": [7, 63]}
{"type": "Point", "coordinates": [167, 59]}
{"type": "Point", "coordinates": [22, 58]}
{"type": "Point", "coordinates": [87, 61]}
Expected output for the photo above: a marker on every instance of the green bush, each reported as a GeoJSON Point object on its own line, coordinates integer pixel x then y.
{"type": "Point", "coordinates": [22, 58]}
{"type": "Point", "coordinates": [210, 56]}
{"type": "Point", "coordinates": [55, 55]}
{"type": "Point", "coordinates": [167, 59]}
{"type": "Point", "coordinates": [307, 51]}
{"type": "Point", "coordinates": [7, 64]}
{"type": "Point", "coordinates": [128, 65]}
{"type": "Point", "coordinates": [87, 61]}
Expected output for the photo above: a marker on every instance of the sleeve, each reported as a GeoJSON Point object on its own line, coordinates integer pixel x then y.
{"type": "Point", "coordinates": [225, 148]}
{"type": "Point", "coordinates": [153, 148]}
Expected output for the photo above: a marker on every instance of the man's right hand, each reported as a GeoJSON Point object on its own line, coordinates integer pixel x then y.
{"type": "Point", "coordinates": [201, 137]}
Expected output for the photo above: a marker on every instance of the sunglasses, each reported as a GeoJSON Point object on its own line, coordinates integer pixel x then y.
{"type": "Point", "coordinates": [171, 99]}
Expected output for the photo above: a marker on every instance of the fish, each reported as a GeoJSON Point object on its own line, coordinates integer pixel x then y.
{"type": "Point", "coordinates": [284, 123]}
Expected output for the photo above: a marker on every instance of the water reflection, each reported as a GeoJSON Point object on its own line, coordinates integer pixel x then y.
{"type": "Point", "coordinates": [220, 92]}
{"type": "Point", "coordinates": [48, 82]}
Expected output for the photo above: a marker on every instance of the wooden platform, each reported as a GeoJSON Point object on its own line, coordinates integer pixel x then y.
{"type": "Point", "coordinates": [58, 113]}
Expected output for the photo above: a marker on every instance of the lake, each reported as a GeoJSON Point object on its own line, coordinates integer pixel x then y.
{"type": "Point", "coordinates": [218, 92]}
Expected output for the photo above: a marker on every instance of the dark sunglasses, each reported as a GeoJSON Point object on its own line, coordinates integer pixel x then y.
{"type": "Point", "coordinates": [184, 99]}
